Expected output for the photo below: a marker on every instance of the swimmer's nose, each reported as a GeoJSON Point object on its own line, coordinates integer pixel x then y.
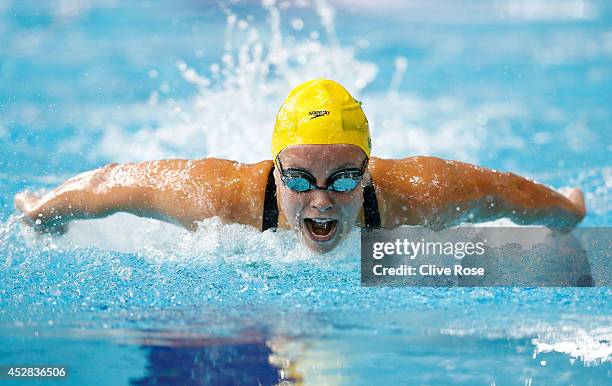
{"type": "Point", "coordinates": [321, 200]}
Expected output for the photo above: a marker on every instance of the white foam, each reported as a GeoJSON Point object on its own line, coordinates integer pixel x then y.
{"type": "Point", "coordinates": [157, 241]}
{"type": "Point", "coordinates": [590, 346]}
{"type": "Point", "coordinates": [587, 339]}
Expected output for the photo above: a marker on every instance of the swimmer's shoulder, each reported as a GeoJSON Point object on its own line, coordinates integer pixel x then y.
{"type": "Point", "coordinates": [231, 190]}
{"type": "Point", "coordinates": [224, 168]}
{"type": "Point", "coordinates": [391, 174]}
{"type": "Point", "coordinates": [407, 189]}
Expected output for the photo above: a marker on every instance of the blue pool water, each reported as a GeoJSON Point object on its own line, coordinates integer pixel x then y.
{"type": "Point", "coordinates": [513, 85]}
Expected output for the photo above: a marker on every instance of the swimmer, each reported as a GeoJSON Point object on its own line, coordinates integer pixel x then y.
{"type": "Point", "coordinates": [321, 182]}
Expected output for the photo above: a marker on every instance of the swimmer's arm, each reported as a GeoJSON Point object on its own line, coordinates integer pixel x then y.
{"type": "Point", "coordinates": [443, 193]}
{"type": "Point", "coordinates": [178, 191]}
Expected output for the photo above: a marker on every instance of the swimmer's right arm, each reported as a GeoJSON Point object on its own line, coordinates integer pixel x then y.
{"type": "Point", "coordinates": [178, 191]}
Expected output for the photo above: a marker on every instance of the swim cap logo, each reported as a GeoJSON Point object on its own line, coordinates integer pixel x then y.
{"type": "Point", "coordinates": [318, 113]}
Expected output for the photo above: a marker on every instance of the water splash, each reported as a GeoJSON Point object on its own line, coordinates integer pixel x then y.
{"type": "Point", "coordinates": [235, 106]}
{"type": "Point", "coordinates": [585, 339]}
{"type": "Point", "coordinates": [233, 113]}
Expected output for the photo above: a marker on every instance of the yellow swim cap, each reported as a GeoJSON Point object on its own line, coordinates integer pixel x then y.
{"type": "Point", "coordinates": [320, 112]}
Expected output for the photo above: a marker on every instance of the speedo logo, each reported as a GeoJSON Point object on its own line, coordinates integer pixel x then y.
{"type": "Point", "coordinates": [318, 113]}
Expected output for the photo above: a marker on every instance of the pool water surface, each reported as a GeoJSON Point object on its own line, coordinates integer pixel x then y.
{"type": "Point", "coordinates": [510, 85]}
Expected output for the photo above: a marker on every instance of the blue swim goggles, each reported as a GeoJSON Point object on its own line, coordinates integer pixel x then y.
{"type": "Point", "coordinates": [345, 180]}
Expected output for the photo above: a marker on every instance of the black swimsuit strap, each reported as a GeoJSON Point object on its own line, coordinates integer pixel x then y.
{"type": "Point", "coordinates": [270, 214]}
{"type": "Point", "coordinates": [370, 207]}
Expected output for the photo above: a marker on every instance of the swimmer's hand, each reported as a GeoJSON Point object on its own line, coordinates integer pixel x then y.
{"type": "Point", "coordinates": [34, 214]}
{"type": "Point", "coordinates": [576, 197]}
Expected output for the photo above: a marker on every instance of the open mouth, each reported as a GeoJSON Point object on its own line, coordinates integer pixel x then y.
{"type": "Point", "coordinates": [321, 229]}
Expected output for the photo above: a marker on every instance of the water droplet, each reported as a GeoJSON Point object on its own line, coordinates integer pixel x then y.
{"type": "Point", "coordinates": [243, 24]}
{"type": "Point", "coordinates": [181, 65]}
{"type": "Point", "coordinates": [297, 24]}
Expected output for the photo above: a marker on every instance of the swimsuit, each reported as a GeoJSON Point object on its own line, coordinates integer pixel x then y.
{"type": "Point", "coordinates": [270, 214]}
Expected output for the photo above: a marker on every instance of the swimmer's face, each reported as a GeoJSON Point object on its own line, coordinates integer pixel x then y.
{"type": "Point", "coordinates": [321, 218]}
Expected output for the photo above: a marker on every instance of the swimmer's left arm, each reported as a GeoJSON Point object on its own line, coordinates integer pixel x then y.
{"type": "Point", "coordinates": [439, 193]}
